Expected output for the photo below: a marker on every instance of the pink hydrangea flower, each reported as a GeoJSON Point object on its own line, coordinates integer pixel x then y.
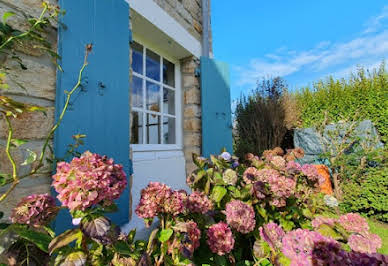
{"type": "Point", "coordinates": [220, 239]}
{"type": "Point", "coordinates": [318, 221]}
{"type": "Point", "coordinates": [354, 223]}
{"type": "Point", "coordinates": [152, 200]}
{"type": "Point", "coordinates": [176, 203]}
{"type": "Point", "coordinates": [35, 210]}
{"type": "Point", "coordinates": [298, 245]}
{"type": "Point", "coordinates": [250, 175]}
{"type": "Point", "coordinates": [312, 174]}
{"type": "Point", "coordinates": [266, 173]}
{"type": "Point", "coordinates": [240, 216]}
{"type": "Point", "coordinates": [89, 180]}
{"type": "Point", "coordinates": [272, 234]}
{"type": "Point", "coordinates": [293, 167]}
{"type": "Point", "coordinates": [198, 202]}
{"type": "Point", "coordinates": [278, 162]}
{"type": "Point", "coordinates": [366, 242]}
{"type": "Point", "coordinates": [282, 188]}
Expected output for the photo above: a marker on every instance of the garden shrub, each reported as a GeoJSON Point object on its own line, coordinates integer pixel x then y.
{"type": "Point", "coordinates": [364, 94]}
{"type": "Point", "coordinates": [260, 118]}
{"type": "Point", "coordinates": [370, 196]}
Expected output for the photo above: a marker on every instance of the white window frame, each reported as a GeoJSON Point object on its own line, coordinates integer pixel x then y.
{"type": "Point", "coordinates": [178, 100]}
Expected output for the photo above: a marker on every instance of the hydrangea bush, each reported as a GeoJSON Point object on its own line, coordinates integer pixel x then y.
{"type": "Point", "coordinates": [87, 187]}
{"type": "Point", "coordinates": [263, 211]}
{"type": "Point", "coordinates": [258, 212]}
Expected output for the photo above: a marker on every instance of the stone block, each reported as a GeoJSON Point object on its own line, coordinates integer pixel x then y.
{"type": "Point", "coordinates": [189, 65]}
{"type": "Point", "coordinates": [30, 7]}
{"type": "Point", "coordinates": [38, 79]}
{"type": "Point", "coordinates": [192, 110]}
{"type": "Point", "coordinates": [190, 81]}
{"type": "Point", "coordinates": [192, 96]}
{"type": "Point", "coordinates": [192, 125]}
{"type": "Point", "coordinates": [192, 140]}
{"type": "Point", "coordinates": [30, 125]}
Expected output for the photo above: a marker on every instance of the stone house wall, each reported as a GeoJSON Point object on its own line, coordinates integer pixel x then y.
{"type": "Point", "coordinates": [40, 81]}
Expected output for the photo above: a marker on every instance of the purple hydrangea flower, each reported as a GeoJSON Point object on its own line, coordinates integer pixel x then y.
{"type": "Point", "coordinates": [226, 156]}
{"type": "Point", "coordinates": [354, 223]}
{"type": "Point", "coordinates": [366, 242]}
{"type": "Point", "coordinates": [298, 245]}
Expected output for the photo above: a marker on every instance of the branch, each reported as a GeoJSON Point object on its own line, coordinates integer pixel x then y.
{"type": "Point", "coordinates": [16, 179]}
{"type": "Point", "coordinates": [24, 34]}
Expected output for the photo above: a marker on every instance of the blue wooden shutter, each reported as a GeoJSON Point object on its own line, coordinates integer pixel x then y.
{"type": "Point", "coordinates": [100, 109]}
{"type": "Point", "coordinates": [216, 107]}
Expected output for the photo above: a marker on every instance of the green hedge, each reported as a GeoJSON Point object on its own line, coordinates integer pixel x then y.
{"type": "Point", "coordinates": [369, 197]}
{"type": "Point", "coordinates": [364, 96]}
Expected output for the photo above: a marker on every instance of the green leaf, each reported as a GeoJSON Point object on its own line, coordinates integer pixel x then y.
{"type": "Point", "coordinates": [7, 15]}
{"type": "Point", "coordinates": [131, 236]}
{"type": "Point", "coordinates": [75, 258]}
{"type": "Point", "coordinates": [218, 193]}
{"type": "Point", "coordinates": [165, 235]}
{"type": "Point", "coordinates": [287, 225]}
{"type": "Point", "coordinates": [31, 157]}
{"type": "Point", "coordinates": [41, 240]}
{"type": "Point", "coordinates": [262, 211]}
{"type": "Point", "coordinates": [199, 176]}
{"type": "Point", "coordinates": [18, 142]}
{"type": "Point", "coordinates": [111, 208]}
{"type": "Point", "coordinates": [326, 230]}
{"type": "Point", "coordinates": [64, 239]}
{"type": "Point", "coordinates": [122, 248]}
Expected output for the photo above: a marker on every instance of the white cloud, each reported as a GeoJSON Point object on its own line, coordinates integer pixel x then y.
{"type": "Point", "coordinates": [375, 23]}
{"type": "Point", "coordinates": [370, 45]}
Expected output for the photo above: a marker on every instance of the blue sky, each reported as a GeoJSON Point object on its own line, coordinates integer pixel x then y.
{"type": "Point", "coordinates": [300, 40]}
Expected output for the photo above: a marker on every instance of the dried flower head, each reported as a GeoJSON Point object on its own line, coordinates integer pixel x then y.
{"type": "Point", "coordinates": [250, 175]}
{"type": "Point", "coordinates": [278, 162]}
{"type": "Point", "coordinates": [35, 210]}
{"type": "Point", "coordinates": [198, 202]}
{"type": "Point", "coordinates": [89, 180]}
{"type": "Point", "coordinates": [191, 237]}
{"type": "Point", "coordinates": [220, 239]}
{"type": "Point", "coordinates": [176, 203]}
{"type": "Point", "coordinates": [240, 216]}
{"type": "Point", "coordinates": [152, 200]}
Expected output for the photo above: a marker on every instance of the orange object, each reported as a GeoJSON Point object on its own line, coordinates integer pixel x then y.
{"type": "Point", "coordinates": [326, 187]}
